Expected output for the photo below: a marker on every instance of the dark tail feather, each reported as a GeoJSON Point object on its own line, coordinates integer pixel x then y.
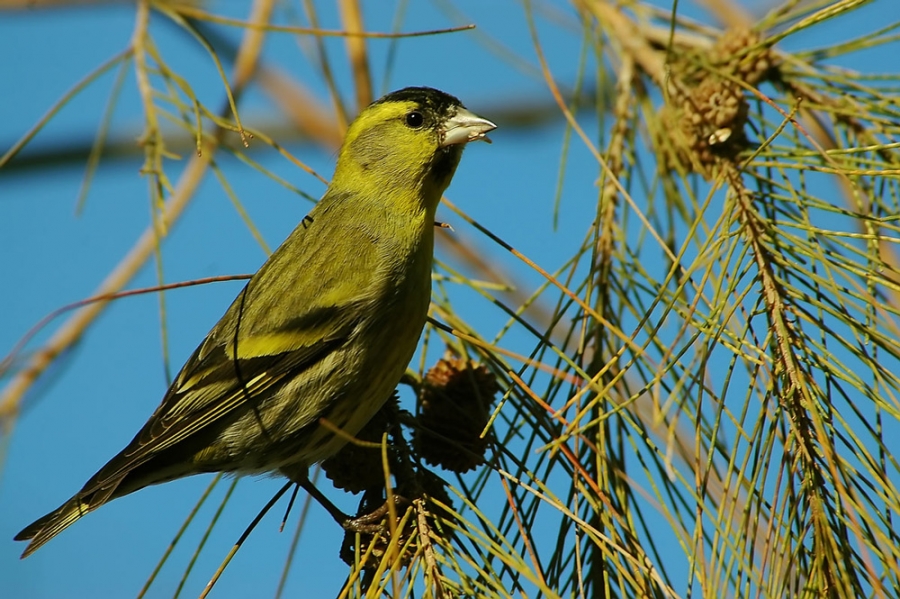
{"type": "Point", "coordinates": [42, 530]}
{"type": "Point", "coordinates": [112, 481]}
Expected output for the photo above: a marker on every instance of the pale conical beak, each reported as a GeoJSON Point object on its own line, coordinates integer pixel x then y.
{"type": "Point", "coordinates": [464, 127]}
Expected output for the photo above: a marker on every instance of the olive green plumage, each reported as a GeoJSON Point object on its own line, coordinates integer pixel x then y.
{"type": "Point", "coordinates": [325, 329]}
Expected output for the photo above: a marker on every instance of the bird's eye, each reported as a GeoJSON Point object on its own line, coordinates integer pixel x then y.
{"type": "Point", "coordinates": [415, 119]}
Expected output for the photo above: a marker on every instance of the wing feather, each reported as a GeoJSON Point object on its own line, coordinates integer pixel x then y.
{"type": "Point", "coordinates": [277, 327]}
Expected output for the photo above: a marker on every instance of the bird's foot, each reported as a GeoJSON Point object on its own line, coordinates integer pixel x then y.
{"type": "Point", "coordinates": [374, 521]}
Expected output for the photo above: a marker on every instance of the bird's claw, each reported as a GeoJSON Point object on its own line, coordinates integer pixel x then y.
{"type": "Point", "coordinates": [374, 521]}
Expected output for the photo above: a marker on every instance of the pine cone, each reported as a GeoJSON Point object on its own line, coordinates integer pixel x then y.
{"type": "Point", "coordinates": [455, 399]}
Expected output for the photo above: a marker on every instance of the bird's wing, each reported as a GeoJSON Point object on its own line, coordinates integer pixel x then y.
{"type": "Point", "coordinates": [206, 390]}
{"type": "Point", "coordinates": [283, 324]}
{"type": "Point", "coordinates": [224, 380]}
{"type": "Point", "coordinates": [211, 391]}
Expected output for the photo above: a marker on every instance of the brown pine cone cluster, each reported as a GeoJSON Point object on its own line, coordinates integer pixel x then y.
{"type": "Point", "coordinates": [741, 53]}
{"type": "Point", "coordinates": [707, 109]}
{"type": "Point", "coordinates": [455, 399]}
{"type": "Point", "coordinates": [713, 119]}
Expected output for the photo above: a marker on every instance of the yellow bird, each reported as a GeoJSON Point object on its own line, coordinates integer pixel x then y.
{"type": "Point", "coordinates": [324, 330]}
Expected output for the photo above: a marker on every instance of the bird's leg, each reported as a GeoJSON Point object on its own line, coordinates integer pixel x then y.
{"type": "Point", "coordinates": [339, 516]}
{"type": "Point", "coordinates": [368, 523]}
{"type": "Point", "coordinates": [371, 522]}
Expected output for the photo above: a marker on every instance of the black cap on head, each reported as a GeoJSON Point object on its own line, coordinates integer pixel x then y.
{"type": "Point", "coordinates": [430, 99]}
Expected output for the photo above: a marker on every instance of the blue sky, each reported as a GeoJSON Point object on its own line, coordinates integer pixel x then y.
{"type": "Point", "coordinates": [102, 392]}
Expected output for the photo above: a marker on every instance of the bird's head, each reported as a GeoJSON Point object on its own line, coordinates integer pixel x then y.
{"type": "Point", "coordinates": [410, 140]}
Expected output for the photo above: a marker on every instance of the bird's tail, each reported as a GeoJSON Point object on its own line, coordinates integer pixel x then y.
{"type": "Point", "coordinates": [117, 478]}
{"type": "Point", "coordinates": [43, 529]}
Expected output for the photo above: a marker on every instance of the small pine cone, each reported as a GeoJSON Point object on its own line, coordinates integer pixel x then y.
{"type": "Point", "coordinates": [731, 52]}
{"type": "Point", "coordinates": [455, 399]}
{"type": "Point", "coordinates": [717, 103]}
{"type": "Point", "coordinates": [356, 468]}
{"type": "Point", "coordinates": [713, 120]}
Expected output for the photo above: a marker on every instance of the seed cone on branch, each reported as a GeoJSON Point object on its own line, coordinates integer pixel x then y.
{"type": "Point", "coordinates": [706, 109]}
{"type": "Point", "coordinates": [455, 403]}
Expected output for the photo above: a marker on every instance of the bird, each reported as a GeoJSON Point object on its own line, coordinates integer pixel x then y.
{"type": "Point", "coordinates": [323, 331]}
